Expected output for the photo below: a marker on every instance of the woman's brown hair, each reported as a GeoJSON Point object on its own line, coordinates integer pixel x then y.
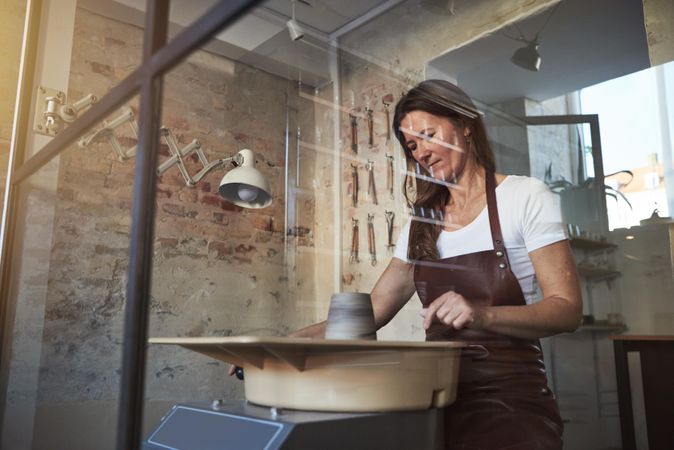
{"type": "Point", "coordinates": [444, 99]}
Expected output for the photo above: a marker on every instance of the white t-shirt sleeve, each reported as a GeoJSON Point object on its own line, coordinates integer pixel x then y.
{"type": "Point", "coordinates": [402, 242]}
{"type": "Point", "coordinates": [542, 217]}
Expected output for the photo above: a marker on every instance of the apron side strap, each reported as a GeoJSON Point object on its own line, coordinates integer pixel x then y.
{"type": "Point", "coordinates": [494, 222]}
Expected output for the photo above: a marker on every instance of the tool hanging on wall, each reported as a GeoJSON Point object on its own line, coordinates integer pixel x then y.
{"type": "Point", "coordinates": [387, 100]}
{"type": "Point", "coordinates": [371, 189]}
{"type": "Point", "coordinates": [389, 175]}
{"type": "Point", "coordinates": [390, 215]}
{"type": "Point", "coordinates": [370, 128]}
{"type": "Point", "coordinates": [354, 185]}
{"type": "Point", "coordinates": [354, 132]}
{"type": "Point", "coordinates": [370, 239]}
{"type": "Point", "coordinates": [353, 258]}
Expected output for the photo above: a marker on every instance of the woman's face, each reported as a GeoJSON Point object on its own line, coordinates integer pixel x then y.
{"type": "Point", "coordinates": [435, 142]}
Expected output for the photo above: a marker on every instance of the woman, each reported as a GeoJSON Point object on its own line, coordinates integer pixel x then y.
{"type": "Point", "coordinates": [476, 248]}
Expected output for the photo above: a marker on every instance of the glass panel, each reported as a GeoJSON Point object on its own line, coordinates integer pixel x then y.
{"type": "Point", "coordinates": [219, 268]}
{"type": "Point", "coordinates": [12, 15]}
{"type": "Point", "coordinates": [638, 184]}
{"type": "Point", "coordinates": [65, 91]}
{"type": "Point", "coordinates": [69, 288]}
{"type": "Point", "coordinates": [70, 249]}
{"type": "Point", "coordinates": [315, 105]}
{"type": "Point", "coordinates": [562, 157]}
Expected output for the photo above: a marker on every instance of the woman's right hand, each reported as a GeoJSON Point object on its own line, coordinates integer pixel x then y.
{"type": "Point", "coordinates": [453, 310]}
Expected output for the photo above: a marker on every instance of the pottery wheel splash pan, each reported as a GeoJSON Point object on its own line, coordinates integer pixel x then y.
{"type": "Point", "coordinates": [337, 375]}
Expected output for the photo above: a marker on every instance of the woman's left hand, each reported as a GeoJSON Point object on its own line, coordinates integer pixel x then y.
{"type": "Point", "coordinates": [453, 310]}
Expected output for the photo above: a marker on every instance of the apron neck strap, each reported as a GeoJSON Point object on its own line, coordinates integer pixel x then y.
{"type": "Point", "coordinates": [492, 209]}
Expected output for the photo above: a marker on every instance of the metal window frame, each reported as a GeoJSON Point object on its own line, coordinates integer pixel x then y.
{"type": "Point", "coordinates": [598, 165]}
{"type": "Point", "coordinates": [158, 58]}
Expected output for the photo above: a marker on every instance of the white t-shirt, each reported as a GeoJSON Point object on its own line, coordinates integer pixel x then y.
{"type": "Point", "coordinates": [530, 217]}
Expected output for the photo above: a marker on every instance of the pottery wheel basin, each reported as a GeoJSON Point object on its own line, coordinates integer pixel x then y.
{"type": "Point", "coordinates": [337, 375]}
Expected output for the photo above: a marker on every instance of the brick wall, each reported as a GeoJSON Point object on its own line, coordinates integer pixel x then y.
{"type": "Point", "coordinates": [218, 269]}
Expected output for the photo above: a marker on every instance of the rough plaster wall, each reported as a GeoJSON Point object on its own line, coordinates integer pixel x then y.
{"type": "Point", "coordinates": [363, 86]}
{"type": "Point", "coordinates": [523, 150]}
{"type": "Point", "coordinates": [553, 146]}
{"type": "Point", "coordinates": [658, 18]}
{"type": "Point", "coordinates": [318, 189]}
{"type": "Point", "coordinates": [12, 14]}
{"type": "Point", "coordinates": [301, 206]}
{"type": "Point", "coordinates": [219, 269]}
{"type": "Point", "coordinates": [508, 136]}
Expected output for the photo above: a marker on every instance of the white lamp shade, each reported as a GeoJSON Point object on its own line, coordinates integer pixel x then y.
{"type": "Point", "coordinates": [295, 29]}
{"type": "Point", "coordinates": [245, 186]}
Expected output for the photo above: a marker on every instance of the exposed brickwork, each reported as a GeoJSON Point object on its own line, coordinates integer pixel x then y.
{"type": "Point", "coordinates": [219, 269]}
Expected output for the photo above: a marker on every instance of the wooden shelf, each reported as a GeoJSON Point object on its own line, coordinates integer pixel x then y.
{"type": "Point", "coordinates": [644, 337]}
{"type": "Point", "coordinates": [602, 325]}
{"type": "Point", "coordinates": [597, 273]}
{"type": "Point", "coordinates": [589, 244]}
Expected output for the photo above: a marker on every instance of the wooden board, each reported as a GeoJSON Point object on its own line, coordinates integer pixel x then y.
{"type": "Point", "coordinates": [252, 350]}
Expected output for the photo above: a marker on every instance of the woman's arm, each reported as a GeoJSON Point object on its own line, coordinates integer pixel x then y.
{"type": "Point", "coordinates": [561, 308]}
{"type": "Point", "coordinates": [393, 289]}
{"type": "Point", "coordinates": [559, 311]}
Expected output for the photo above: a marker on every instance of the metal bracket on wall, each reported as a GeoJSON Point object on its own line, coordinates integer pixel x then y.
{"type": "Point", "coordinates": [52, 111]}
{"type": "Point", "coordinates": [178, 155]}
{"type": "Point", "coordinates": [107, 131]}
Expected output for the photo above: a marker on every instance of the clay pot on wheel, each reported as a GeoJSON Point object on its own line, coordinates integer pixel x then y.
{"type": "Point", "coordinates": [351, 317]}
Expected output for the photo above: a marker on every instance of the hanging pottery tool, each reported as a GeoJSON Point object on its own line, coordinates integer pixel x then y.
{"type": "Point", "coordinates": [354, 132]}
{"type": "Point", "coordinates": [387, 100]}
{"type": "Point", "coordinates": [390, 215]}
{"type": "Point", "coordinates": [354, 185]}
{"type": "Point", "coordinates": [370, 127]}
{"type": "Point", "coordinates": [371, 189]}
{"type": "Point", "coordinates": [353, 258]}
{"type": "Point", "coordinates": [389, 175]}
{"type": "Point", "coordinates": [370, 239]}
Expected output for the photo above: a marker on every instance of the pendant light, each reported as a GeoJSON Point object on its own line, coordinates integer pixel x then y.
{"type": "Point", "coordinates": [294, 28]}
{"type": "Point", "coordinates": [527, 57]}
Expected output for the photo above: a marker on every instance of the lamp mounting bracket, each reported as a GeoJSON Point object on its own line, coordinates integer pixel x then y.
{"type": "Point", "coordinates": [53, 112]}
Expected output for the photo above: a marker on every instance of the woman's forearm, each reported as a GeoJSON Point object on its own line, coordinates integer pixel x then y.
{"type": "Point", "coordinates": [560, 310]}
{"type": "Point", "coordinates": [547, 317]}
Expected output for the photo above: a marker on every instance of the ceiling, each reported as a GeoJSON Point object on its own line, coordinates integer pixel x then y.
{"type": "Point", "coordinates": [261, 38]}
{"type": "Point", "coordinates": [326, 16]}
{"type": "Point", "coordinates": [585, 42]}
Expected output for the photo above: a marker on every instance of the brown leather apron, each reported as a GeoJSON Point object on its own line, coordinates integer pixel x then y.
{"type": "Point", "coordinates": [503, 400]}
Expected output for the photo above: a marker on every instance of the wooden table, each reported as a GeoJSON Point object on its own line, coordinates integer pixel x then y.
{"type": "Point", "coordinates": [657, 369]}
